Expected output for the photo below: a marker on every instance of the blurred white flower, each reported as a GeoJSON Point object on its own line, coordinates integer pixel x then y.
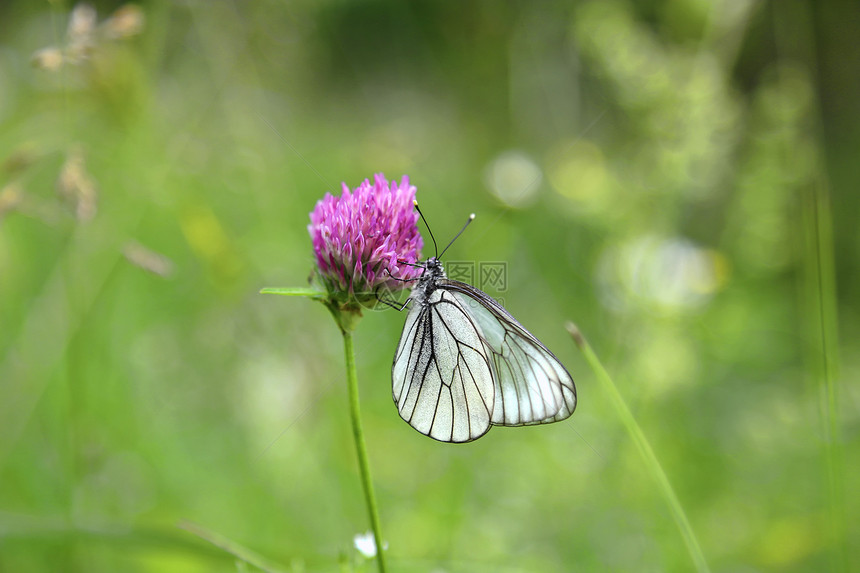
{"type": "Point", "coordinates": [84, 35]}
{"type": "Point", "coordinates": [366, 545]}
{"type": "Point", "coordinates": [127, 21]}
{"type": "Point", "coordinates": [147, 259]}
{"type": "Point", "coordinates": [76, 186]}
{"type": "Point", "coordinates": [514, 178]}
{"type": "Point", "coordinates": [81, 33]}
{"type": "Point", "coordinates": [662, 274]}
{"type": "Point", "coordinates": [49, 59]}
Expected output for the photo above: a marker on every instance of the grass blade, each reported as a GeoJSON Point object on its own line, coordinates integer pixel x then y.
{"type": "Point", "coordinates": [644, 447]}
{"type": "Point", "coordinates": [238, 551]}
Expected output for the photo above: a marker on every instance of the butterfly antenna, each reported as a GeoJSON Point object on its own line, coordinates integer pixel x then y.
{"type": "Point", "coordinates": [471, 218]}
{"type": "Point", "coordinates": [435, 248]}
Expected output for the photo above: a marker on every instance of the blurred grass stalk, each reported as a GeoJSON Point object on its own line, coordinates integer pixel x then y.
{"type": "Point", "coordinates": [821, 343]}
{"type": "Point", "coordinates": [644, 447]}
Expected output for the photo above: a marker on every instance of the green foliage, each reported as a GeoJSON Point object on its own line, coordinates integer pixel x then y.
{"type": "Point", "coordinates": [677, 177]}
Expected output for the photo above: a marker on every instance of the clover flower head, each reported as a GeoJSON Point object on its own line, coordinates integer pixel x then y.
{"type": "Point", "coordinates": [366, 239]}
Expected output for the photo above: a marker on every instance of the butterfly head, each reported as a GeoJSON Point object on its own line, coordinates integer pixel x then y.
{"type": "Point", "coordinates": [432, 264]}
{"type": "Point", "coordinates": [433, 271]}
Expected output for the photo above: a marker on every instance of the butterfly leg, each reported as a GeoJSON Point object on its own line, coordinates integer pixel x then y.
{"type": "Point", "coordinates": [398, 278]}
{"type": "Point", "coordinates": [392, 303]}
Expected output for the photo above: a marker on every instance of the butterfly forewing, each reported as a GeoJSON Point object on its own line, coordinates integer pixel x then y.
{"type": "Point", "coordinates": [465, 364]}
{"type": "Point", "coordinates": [442, 377]}
{"type": "Point", "coordinates": [530, 385]}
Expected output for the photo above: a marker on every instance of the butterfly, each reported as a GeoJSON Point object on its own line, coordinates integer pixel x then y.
{"type": "Point", "coordinates": [464, 364]}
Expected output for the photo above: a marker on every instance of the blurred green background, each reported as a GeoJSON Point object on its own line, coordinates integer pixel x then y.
{"type": "Point", "coordinates": [676, 176]}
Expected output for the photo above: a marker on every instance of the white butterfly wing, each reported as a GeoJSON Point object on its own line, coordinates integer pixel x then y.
{"type": "Point", "coordinates": [531, 385]}
{"type": "Point", "coordinates": [442, 378]}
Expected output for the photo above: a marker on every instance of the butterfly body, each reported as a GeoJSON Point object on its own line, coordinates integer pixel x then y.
{"type": "Point", "coordinates": [464, 364]}
{"type": "Point", "coordinates": [433, 271]}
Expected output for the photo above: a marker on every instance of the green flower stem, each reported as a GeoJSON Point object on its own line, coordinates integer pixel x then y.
{"type": "Point", "coordinates": [347, 315]}
{"type": "Point", "coordinates": [358, 434]}
{"type": "Point", "coordinates": [644, 447]}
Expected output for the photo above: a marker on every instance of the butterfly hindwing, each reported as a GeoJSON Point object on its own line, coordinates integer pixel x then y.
{"type": "Point", "coordinates": [442, 377]}
{"type": "Point", "coordinates": [530, 385]}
